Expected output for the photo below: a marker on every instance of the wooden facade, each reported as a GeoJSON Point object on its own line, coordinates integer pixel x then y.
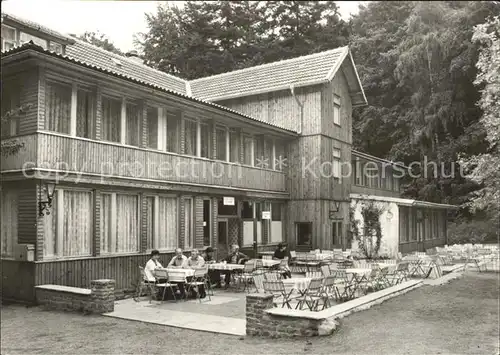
{"type": "Point", "coordinates": [109, 137]}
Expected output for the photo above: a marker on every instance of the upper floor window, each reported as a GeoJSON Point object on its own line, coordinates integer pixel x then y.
{"type": "Point", "coordinates": [234, 146]}
{"type": "Point", "coordinates": [25, 37]}
{"type": "Point", "coordinates": [221, 143]}
{"type": "Point", "coordinates": [111, 119]}
{"type": "Point", "coordinates": [248, 143]}
{"type": "Point", "coordinates": [9, 40]}
{"type": "Point", "coordinates": [173, 131]}
{"type": "Point", "coordinates": [11, 101]}
{"type": "Point", "coordinates": [132, 131]}
{"type": "Point", "coordinates": [280, 159]}
{"type": "Point", "coordinates": [57, 107]}
{"type": "Point", "coordinates": [336, 163]}
{"type": "Point", "coordinates": [152, 118]}
{"type": "Point", "coordinates": [205, 140]}
{"type": "Point", "coordinates": [336, 110]}
{"type": "Point", "coordinates": [85, 113]}
{"type": "Point", "coordinates": [190, 137]}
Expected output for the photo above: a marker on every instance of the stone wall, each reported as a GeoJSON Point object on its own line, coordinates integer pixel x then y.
{"type": "Point", "coordinates": [261, 323]}
{"type": "Point", "coordinates": [99, 299]}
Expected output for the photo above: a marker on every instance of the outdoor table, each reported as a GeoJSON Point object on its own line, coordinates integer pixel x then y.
{"type": "Point", "coordinates": [270, 263]}
{"type": "Point", "coordinates": [187, 272]}
{"type": "Point", "coordinates": [266, 253]}
{"type": "Point", "coordinates": [222, 266]}
{"type": "Point", "coordinates": [299, 284]}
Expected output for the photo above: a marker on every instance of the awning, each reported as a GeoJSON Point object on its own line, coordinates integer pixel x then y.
{"type": "Point", "coordinates": [404, 202]}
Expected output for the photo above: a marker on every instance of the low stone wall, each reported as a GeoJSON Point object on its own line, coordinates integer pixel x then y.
{"type": "Point", "coordinates": [100, 298]}
{"type": "Point", "coordinates": [261, 323]}
{"type": "Point", "coordinates": [262, 319]}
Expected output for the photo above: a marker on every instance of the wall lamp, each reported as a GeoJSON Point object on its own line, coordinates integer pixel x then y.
{"type": "Point", "coordinates": [334, 206]}
{"type": "Point", "coordinates": [45, 196]}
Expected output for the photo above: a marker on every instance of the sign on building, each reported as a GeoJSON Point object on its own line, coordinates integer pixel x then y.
{"type": "Point", "coordinates": [266, 214]}
{"type": "Point", "coordinates": [228, 201]}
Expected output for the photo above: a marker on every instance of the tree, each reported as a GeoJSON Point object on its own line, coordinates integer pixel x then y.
{"type": "Point", "coordinates": [207, 38]}
{"type": "Point", "coordinates": [485, 167]}
{"type": "Point", "coordinates": [100, 40]}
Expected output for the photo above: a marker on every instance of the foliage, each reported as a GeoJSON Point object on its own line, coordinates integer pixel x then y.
{"type": "Point", "coordinates": [475, 231]}
{"type": "Point", "coordinates": [416, 61]}
{"type": "Point", "coordinates": [368, 231]}
{"type": "Point", "coordinates": [100, 40]}
{"type": "Point", "coordinates": [485, 167]}
{"type": "Point", "coordinates": [212, 37]}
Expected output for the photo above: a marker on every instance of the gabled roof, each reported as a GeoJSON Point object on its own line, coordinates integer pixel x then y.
{"type": "Point", "coordinates": [307, 70]}
{"type": "Point", "coordinates": [33, 26]}
{"type": "Point", "coordinates": [14, 53]}
{"type": "Point", "coordinates": [101, 58]}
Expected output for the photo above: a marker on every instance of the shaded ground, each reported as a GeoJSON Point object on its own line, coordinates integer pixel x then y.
{"type": "Point", "coordinates": [456, 318]}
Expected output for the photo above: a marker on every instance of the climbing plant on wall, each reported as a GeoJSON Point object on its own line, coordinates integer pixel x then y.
{"type": "Point", "coordinates": [368, 231]}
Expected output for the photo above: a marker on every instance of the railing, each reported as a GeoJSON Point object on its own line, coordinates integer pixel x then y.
{"type": "Point", "coordinates": [107, 160]}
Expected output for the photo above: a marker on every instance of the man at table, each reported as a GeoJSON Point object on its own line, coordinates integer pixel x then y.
{"type": "Point", "coordinates": [213, 275]}
{"type": "Point", "coordinates": [179, 260]}
{"type": "Point", "coordinates": [281, 253]}
{"type": "Point", "coordinates": [149, 270]}
{"type": "Point", "coordinates": [195, 261]}
{"type": "Point", "coordinates": [234, 258]}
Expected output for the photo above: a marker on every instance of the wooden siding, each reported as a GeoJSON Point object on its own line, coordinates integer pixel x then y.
{"type": "Point", "coordinates": [25, 157]}
{"type": "Point", "coordinates": [79, 272]}
{"type": "Point", "coordinates": [281, 108]}
{"type": "Point", "coordinates": [355, 189]}
{"type": "Point", "coordinates": [331, 188]}
{"type": "Point", "coordinates": [85, 156]}
{"type": "Point", "coordinates": [337, 87]}
{"type": "Point", "coordinates": [317, 212]}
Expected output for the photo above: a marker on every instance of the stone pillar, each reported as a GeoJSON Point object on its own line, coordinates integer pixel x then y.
{"type": "Point", "coordinates": [256, 304]}
{"type": "Point", "coordinates": [102, 298]}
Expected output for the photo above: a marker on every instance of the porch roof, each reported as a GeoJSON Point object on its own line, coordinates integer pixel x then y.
{"type": "Point", "coordinates": [404, 201]}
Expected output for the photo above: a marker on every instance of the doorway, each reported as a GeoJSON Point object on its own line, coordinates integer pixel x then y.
{"type": "Point", "coordinates": [222, 238]}
{"type": "Point", "coordinates": [303, 240]}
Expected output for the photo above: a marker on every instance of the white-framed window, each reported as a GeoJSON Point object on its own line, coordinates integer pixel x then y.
{"type": "Point", "coordinates": [111, 119]}
{"type": "Point", "coordinates": [68, 229]}
{"type": "Point", "coordinates": [162, 217]}
{"type": "Point", "coordinates": [56, 47]}
{"type": "Point", "coordinates": [133, 124]}
{"type": "Point", "coordinates": [173, 131]}
{"type": "Point", "coordinates": [234, 146]}
{"type": "Point", "coordinates": [248, 150]}
{"type": "Point", "coordinates": [336, 110]}
{"type": "Point", "coordinates": [221, 142]}
{"type": "Point", "coordinates": [190, 136]}
{"type": "Point", "coordinates": [9, 39]}
{"type": "Point", "coordinates": [276, 222]}
{"type": "Point", "coordinates": [206, 142]}
{"type": "Point", "coordinates": [10, 211]}
{"type": "Point", "coordinates": [119, 223]}
{"type": "Point", "coordinates": [85, 112]}
{"type": "Point", "coordinates": [336, 163]}
{"type": "Point", "coordinates": [58, 107]}
{"type": "Point", "coordinates": [25, 37]}
{"type": "Point", "coordinates": [152, 115]}
{"type": "Point", "coordinates": [188, 223]}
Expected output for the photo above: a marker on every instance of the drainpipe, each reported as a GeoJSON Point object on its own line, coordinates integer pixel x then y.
{"type": "Point", "coordinates": [301, 105]}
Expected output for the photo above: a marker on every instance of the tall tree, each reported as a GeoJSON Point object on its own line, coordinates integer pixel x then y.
{"type": "Point", "coordinates": [206, 38]}
{"type": "Point", "coordinates": [485, 167]}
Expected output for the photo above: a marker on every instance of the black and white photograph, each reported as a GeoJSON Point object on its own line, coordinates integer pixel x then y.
{"type": "Point", "coordinates": [250, 177]}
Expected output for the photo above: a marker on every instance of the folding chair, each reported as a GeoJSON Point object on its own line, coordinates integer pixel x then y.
{"type": "Point", "coordinates": [330, 289]}
{"type": "Point", "coordinates": [177, 277]}
{"type": "Point", "coordinates": [246, 277]}
{"type": "Point", "coordinates": [314, 274]}
{"type": "Point", "coordinates": [163, 274]}
{"type": "Point", "coordinates": [258, 280]}
{"type": "Point", "coordinates": [142, 286]}
{"type": "Point", "coordinates": [312, 295]}
{"type": "Point", "coordinates": [280, 295]}
{"type": "Point", "coordinates": [259, 265]}
{"type": "Point", "coordinates": [344, 282]}
{"type": "Point", "coordinates": [199, 279]}
{"type": "Point", "coordinates": [272, 276]}
{"type": "Point", "coordinates": [325, 270]}
{"type": "Point", "coordinates": [399, 275]}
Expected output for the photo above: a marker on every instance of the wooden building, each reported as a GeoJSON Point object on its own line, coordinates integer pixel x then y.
{"type": "Point", "coordinates": [141, 160]}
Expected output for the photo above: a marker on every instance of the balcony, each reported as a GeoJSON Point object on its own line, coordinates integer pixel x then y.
{"type": "Point", "coordinates": [52, 151]}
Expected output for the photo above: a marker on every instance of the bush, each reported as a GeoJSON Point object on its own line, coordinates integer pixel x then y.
{"type": "Point", "coordinates": [475, 231]}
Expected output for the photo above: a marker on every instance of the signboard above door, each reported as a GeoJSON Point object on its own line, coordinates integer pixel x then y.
{"type": "Point", "coordinates": [228, 201]}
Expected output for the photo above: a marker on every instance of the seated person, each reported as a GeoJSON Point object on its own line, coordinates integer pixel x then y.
{"type": "Point", "coordinates": [149, 270]}
{"type": "Point", "coordinates": [214, 275]}
{"type": "Point", "coordinates": [179, 260]}
{"type": "Point", "coordinates": [195, 261]}
{"type": "Point", "coordinates": [235, 257]}
{"type": "Point", "coordinates": [281, 253]}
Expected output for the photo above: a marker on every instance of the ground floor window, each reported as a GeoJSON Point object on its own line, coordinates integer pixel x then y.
{"type": "Point", "coordinates": [304, 233]}
{"type": "Point", "coordinates": [337, 239]}
{"type": "Point", "coordinates": [68, 227]}
{"type": "Point", "coordinates": [161, 217]}
{"type": "Point", "coordinates": [188, 223]}
{"type": "Point", "coordinates": [119, 223]}
{"type": "Point", "coordinates": [276, 223]}
{"type": "Point", "coordinates": [9, 222]}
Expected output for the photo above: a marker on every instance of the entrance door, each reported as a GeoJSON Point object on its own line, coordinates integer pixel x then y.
{"type": "Point", "coordinates": [222, 242]}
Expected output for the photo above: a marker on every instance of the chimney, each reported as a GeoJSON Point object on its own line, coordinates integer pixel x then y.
{"type": "Point", "coordinates": [134, 56]}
